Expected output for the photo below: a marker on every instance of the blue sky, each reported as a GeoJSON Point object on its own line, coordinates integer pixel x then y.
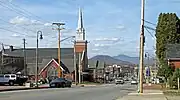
{"type": "Point", "coordinates": [112, 26]}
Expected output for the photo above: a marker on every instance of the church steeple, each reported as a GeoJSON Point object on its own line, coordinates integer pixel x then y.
{"type": "Point", "coordinates": [80, 28]}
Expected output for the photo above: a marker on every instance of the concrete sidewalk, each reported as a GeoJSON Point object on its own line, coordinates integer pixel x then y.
{"type": "Point", "coordinates": [42, 86]}
{"type": "Point", "coordinates": [147, 95]}
{"type": "Point", "coordinates": [14, 88]}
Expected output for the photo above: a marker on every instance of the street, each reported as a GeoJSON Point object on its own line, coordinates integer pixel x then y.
{"type": "Point", "coordinates": [102, 92]}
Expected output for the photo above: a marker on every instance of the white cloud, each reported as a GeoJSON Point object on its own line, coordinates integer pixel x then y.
{"type": "Point", "coordinates": [95, 49]}
{"type": "Point", "coordinates": [23, 21]}
{"type": "Point", "coordinates": [15, 35]}
{"type": "Point", "coordinates": [47, 24]}
{"type": "Point", "coordinates": [107, 39]}
{"type": "Point", "coordinates": [120, 27]}
{"type": "Point", "coordinates": [102, 45]}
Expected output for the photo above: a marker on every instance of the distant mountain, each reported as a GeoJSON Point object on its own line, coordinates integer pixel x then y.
{"type": "Point", "coordinates": [109, 60]}
{"type": "Point", "coordinates": [134, 60]}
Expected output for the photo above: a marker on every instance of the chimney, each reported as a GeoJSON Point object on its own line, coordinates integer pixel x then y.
{"type": "Point", "coordinates": [11, 48]}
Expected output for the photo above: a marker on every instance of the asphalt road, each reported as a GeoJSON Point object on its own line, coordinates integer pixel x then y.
{"type": "Point", "coordinates": [104, 92]}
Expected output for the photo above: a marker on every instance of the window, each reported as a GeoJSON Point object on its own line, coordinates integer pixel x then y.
{"type": "Point", "coordinates": [13, 76]}
{"type": "Point", "coordinates": [7, 76]}
{"type": "Point", "coordinates": [1, 76]}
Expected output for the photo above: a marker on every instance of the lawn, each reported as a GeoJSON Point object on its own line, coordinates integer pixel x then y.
{"type": "Point", "coordinates": [171, 92]}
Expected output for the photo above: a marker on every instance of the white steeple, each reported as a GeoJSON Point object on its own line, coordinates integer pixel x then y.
{"type": "Point", "coordinates": [80, 28]}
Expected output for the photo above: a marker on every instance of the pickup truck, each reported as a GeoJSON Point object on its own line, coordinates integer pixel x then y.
{"type": "Point", "coordinates": [12, 79]}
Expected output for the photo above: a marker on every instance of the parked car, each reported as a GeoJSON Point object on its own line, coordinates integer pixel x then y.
{"type": "Point", "coordinates": [12, 79]}
{"type": "Point", "coordinates": [134, 82]}
{"type": "Point", "coordinates": [60, 82]}
{"type": "Point", "coordinates": [119, 81]}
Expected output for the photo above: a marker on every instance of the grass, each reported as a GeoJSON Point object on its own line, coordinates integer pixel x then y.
{"type": "Point", "coordinates": [171, 92]}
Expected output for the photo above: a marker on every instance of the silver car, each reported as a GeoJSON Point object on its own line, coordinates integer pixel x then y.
{"type": "Point", "coordinates": [119, 81]}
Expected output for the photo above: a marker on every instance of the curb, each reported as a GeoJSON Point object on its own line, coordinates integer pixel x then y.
{"type": "Point", "coordinates": [15, 89]}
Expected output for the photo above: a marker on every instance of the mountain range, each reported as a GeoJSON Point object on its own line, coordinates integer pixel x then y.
{"type": "Point", "coordinates": [108, 59]}
{"type": "Point", "coordinates": [121, 59]}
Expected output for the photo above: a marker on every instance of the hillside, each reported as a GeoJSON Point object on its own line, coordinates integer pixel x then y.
{"type": "Point", "coordinates": [134, 60]}
{"type": "Point", "coordinates": [109, 60]}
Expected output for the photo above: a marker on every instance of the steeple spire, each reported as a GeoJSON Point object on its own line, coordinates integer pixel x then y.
{"type": "Point", "coordinates": [80, 20]}
{"type": "Point", "coordinates": [80, 28]}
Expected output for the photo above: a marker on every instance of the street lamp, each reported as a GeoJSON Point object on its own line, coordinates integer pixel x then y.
{"type": "Point", "coordinates": [39, 33]}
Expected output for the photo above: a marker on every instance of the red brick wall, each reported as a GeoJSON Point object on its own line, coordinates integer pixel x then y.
{"type": "Point", "coordinates": [176, 64]}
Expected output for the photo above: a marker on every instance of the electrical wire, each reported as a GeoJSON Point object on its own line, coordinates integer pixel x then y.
{"type": "Point", "coordinates": [149, 33]}
{"type": "Point", "coordinates": [19, 26]}
{"type": "Point", "coordinates": [149, 22]}
{"type": "Point", "coordinates": [28, 12]}
{"type": "Point", "coordinates": [15, 32]}
{"type": "Point", "coordinates": [6, 6]}
{"type": "Point", "coordinates": [18, 47]}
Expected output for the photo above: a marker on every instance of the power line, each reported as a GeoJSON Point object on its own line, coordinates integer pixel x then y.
{"type": "Point", "coordinates": [150, 28]}
{"type": "Point", "coordinates": [21, 11]}
{"type": "Point", "coordinates": [10, 45]}
{"type": "Point", "coordinates": [149, 33]}
{"type": "Point", "coordinates": [149, 22]}
{"type": "Point", "coordinates": [6, 6]}
{"type": "Point", "coordinates": [19, 26]}
{"type": "Point", "coordinates": [15, 32]}
{"type": "Point", "coordinates": [28, 12]}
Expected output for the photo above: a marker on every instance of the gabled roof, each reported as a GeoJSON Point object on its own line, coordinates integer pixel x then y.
{"type": "Point", "coordinates": [53, 61]}
{"type": "Point", "coordinates": [45, 55]}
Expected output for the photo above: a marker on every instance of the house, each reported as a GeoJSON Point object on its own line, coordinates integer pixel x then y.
{"type": "Point", "coordinates": [11, 64]}
{"type": "Point", "coordinates": [173, 55]}
{"type": "Point", "coordinates": [45, 56]}
{"type": "Point", "coordinates": [174, 62]}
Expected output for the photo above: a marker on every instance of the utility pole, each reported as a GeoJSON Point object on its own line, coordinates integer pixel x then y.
{"type": "Point", "coordinates": [141, 46]}
{"type": "Point", "coordinates": [75, 67]}
{"type": "Point", "coordinates": [60, 72]}
{"type": "Point", "coordinates": [2, 59]}
{"type": "Point", "coordinates": [79, 68]}
{"type": "Point", "coordinates": [2, 62]}
{"type": "Point", "coordinates": [24, 54]}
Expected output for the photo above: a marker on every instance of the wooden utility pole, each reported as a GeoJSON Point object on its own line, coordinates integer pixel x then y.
{"type": "Point", "coordinates": [141, 46]}
{"type": "Point", "coordinates": [2, 59]}
{"type": "Point", "coordinates": [60, 72]}
{"type": "Point", "coordinates": [75, 67]}
{"type": "Point", "coordinates": [79, 68]}
{"type": "Point", "coordinates": [24, 54]}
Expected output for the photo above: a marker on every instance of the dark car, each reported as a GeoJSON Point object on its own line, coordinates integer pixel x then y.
{"type": "Point", "coordinates": [60, 82]}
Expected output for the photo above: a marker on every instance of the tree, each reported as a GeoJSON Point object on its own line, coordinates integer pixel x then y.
{"type": "Point", "coordinates": [167, 32]}
{"type": "Point", "coordinates": [165, 71]}
{"type": "Point", "coordinates": [173, 79]}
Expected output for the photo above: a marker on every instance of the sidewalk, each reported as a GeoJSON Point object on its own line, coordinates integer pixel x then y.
{"type": "Point", "coordinates": [146, 95]}
{"type": "Point", "coordinates": [13, 88]}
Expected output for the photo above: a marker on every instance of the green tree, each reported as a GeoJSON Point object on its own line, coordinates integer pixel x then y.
{"type": "Point", "coordinates": [165, 71]}
{"type": "Point", "coordinates": [173, 79]}
{"type": "Point", "coordinates": [167, 32]}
